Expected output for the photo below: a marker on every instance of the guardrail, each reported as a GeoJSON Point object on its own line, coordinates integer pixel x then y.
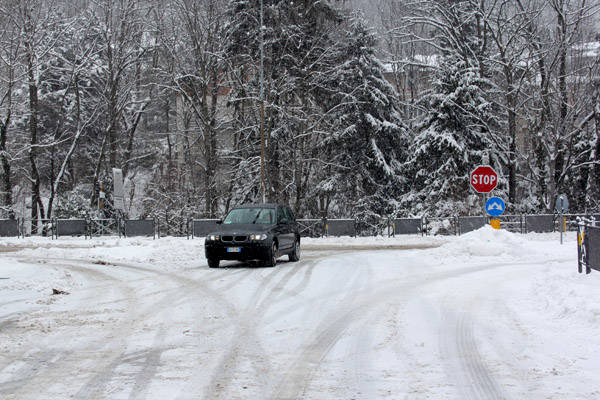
{"type": "Point", "coordinates": [309, 227]}
{"type": "Point", "coordinates": [10, 227]}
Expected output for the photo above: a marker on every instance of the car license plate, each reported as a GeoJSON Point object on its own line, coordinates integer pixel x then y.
{"type": "Point", "coordinates": [234, 249]}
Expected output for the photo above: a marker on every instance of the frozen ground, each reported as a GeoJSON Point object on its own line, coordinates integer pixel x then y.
{"type": "Point", "coordinates": [488, 315]}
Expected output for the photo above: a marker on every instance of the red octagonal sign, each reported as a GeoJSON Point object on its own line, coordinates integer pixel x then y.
{"type": "Point", "coordinates": [484, 179]}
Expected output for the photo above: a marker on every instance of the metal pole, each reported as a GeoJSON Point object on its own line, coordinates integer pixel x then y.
{"type": "Point", "coordinates": [262, 107]}
{"type": "Point", "coordinates": [561, 227]}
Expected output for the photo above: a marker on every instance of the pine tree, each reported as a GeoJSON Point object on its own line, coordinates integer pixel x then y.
{"type": "Point", "coordinates": [453, 136]}
{"type": "Point", "coordinates": [367, 139]}
{"type": "Point", "coordinates": [449, 142]}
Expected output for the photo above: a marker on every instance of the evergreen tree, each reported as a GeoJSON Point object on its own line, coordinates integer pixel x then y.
{"type": "Point", "coordinates": [453, 135]}
{"type": "Point", "coordinates": [449, 142]}
{"type": "Point", "coordinates": [367, 139]}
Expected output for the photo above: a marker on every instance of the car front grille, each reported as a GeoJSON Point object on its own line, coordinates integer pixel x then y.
{"type": "Point", "coordinates": [229, 238]}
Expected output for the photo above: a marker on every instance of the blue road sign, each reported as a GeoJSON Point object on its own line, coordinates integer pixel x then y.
{"type": "Point", "coordinates": [495, 206]}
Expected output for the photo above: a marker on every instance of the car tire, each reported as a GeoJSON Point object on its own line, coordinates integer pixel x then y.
{"type": "Point", "coordinates": [213, 262]}
{"type": "Point", "coordinates": [295, 254]}
{"type": "Point", "coordinates": [272, 261]}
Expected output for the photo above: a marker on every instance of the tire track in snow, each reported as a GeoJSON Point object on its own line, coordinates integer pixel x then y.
{"type": "Point", "coordinates": [109, 360]}
{"type": "Point", "coordinates": [466, 366]}
{"type": "Point", "coordinates": [247, 340]}
{"type": "Point", "coordinates": [301, 371]}
{"type": "Point", "coordinates": [294, 381]}
{"type": "Point", "coordinates": [44, 368]}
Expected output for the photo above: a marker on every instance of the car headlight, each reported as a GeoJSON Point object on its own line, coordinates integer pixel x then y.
{"type": "Point", "coordinates": [261, 236]}
{"type": "Point", "coordinates": [212, 237]}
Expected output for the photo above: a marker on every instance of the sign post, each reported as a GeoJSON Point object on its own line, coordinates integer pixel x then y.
{"type": "Point", "coordinates": [483, 180]}
{"type": "Point", "coordinates": [561, 207]}
{"type": "Point", "coordinates": [118, 192]}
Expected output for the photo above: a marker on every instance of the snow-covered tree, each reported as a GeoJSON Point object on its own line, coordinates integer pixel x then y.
{"type": "Point", "coordinates": [295, 38]}
{"type": "Point", "coordinates": [366, 145]}
{"type": "Point", "coordinates": [453, 135]}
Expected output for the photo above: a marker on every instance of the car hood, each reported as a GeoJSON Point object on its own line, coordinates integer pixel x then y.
{"type": "Point", "coordinates": [243, 229]}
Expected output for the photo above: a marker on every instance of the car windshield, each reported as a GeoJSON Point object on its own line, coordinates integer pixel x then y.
{"type": "Point", "coordinates": [250, 216]}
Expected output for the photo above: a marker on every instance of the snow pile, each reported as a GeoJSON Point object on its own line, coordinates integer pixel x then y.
{"type": "Point", "coordinates": [405, 241]}
{"type": "Point", "coordinates": [568, 295]}
{"type": "Point", "coordinates": [486, 242]}
{"type": "Point", "coordinates": [172, 251]}
{"type": "Point", "coordinates": [36, 279]}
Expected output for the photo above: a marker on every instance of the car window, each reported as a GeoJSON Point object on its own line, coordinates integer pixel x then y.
{"type": "Point", "coordinates": [280, 214]}
{"type": "Point", "coordinates": [265, 216]}
{"type": "Point", "coordinates": [250, 216]}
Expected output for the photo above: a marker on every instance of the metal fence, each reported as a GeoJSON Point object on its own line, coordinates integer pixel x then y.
{"type": "Point", "coordinates": [407, 226]}
{"type": "Point", "coordinates": [139, 227]}
{"type": "Point", "coordinates": [43, 227]}
{"type": "Point", "coordinates": [468, 224]}
{"type": "Point", "coordinates": [202, 227]}
{"type": "Point", "coordinates": [441, 226]}
{"type": "Point", "coordinates": [104, 227]}
{"type": "Point", "coordinates": [539, 223]}
{"type": "Point", "coordinates": [9, 227]}
{"type": "Point", "coordinates": [512, 223]}
{"type": "Point", "coordinates": [588, 248]}
{"type": "Point", "coordinates": [71, 227]}
{"type": "Point", "coordinates": [340, 227]}
{"type": "Point", "coordinates": [309, 227]}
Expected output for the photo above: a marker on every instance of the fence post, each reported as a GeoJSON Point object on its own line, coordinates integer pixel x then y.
{"type": "Point", "coordinates": [580, 236]}
{"type": "Point", "coordinates": [521, 224]}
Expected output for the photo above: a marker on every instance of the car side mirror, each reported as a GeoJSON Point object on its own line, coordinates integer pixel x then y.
{"type": "Point", "coordinates": [284, 221]}
{"type": "Point", "coordinates": [219, 221]}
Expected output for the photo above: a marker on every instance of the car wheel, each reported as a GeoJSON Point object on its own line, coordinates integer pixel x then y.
{"type": "Point", "coordinates": [272, 261]}
{"type": "Point", "coordinates": [295, 254]}
{"type": "Point", "coordinates": [213, 263]}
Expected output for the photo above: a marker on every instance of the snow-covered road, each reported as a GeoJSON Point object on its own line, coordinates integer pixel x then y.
{"type": "Point", "coordinates": [489, 315]}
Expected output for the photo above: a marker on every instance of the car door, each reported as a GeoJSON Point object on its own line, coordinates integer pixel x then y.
{"type": "Point", "coordinates": [284, 229]}
{"type": "Point", "coordinates": [293, 224]}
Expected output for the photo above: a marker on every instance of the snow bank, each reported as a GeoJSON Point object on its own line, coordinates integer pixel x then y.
{"type": "Point", "coordinates": [503, 245]}
{"type": "Point", "coordinates": [487, 242]}
{"type": "Point", "coordinates": [169, 251]}
{"type": "Point", "coordinates": [477, 245]}
{"type": "Point", "coordinates": [567, 295]}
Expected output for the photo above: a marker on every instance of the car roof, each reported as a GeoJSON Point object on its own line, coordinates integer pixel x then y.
{"type": "Point", "coordinates": [257, 205]}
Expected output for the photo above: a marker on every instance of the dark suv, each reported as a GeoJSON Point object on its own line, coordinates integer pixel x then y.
{"type": "Point", "coordinates": [254, 232]}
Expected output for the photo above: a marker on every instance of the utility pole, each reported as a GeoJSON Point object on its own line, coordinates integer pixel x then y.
{"type": "Point", "coordinates": [262, 107]}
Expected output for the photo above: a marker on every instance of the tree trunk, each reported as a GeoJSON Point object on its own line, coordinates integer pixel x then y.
{"type": "Point", "coordinates": [512, 161]}
{"type": "Point", "coordinates": [37, 208]}
{"type": "Point", "coordinates": [5, 164]}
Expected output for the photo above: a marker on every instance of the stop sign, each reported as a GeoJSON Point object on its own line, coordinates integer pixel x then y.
{"type": "Point", "coordinates": [484, 179]}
